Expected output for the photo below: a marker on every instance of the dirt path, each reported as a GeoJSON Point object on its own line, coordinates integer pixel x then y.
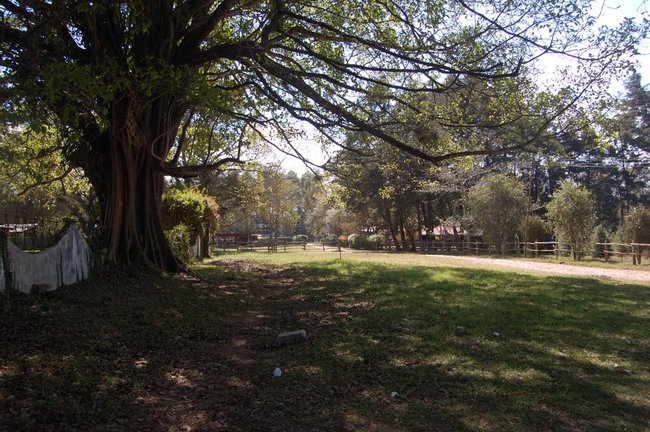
{"type": "Point", "coordinates": [536, 266]}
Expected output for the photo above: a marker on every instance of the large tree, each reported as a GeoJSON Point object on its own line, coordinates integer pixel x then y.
{"type": "Point", "coordinates": [123, 80]}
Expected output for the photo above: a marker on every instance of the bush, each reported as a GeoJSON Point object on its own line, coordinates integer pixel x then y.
{"type": "Point", "coordinates": [192, 208]}
{"type": "Point", "coordinates": [636, 228]}
{"type": "Point", "coordinates": [571, 212]}
{"type": "Point", "coordinates": [599, 236]}
{"type": "Point", "coordinates": [376, 240]}
{"type": "Point", "coordinates": [300, 238]}
{"type": "Point", "coordinates": [189, 207]}
{"type": "Point", "coordinates": [618, 239]}
{"type": "Point", "coordinates": [537, 229]}
{"type": "Point", "coordinates": [180, 241]}
{"type": "Point", "coordinates": [497, 204]}
{"type": "Point", "coordinates": [358, 241]}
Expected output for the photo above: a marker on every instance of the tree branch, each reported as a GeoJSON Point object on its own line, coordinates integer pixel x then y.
{"type": "Point", "coordinates": [191, 171]}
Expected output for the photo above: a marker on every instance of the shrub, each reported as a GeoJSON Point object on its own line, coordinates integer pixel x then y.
{"type": "Point", "coordinates": [376, 240]}
{"type": "Point", "coordinates": [193, 208]}
{"type": "Point", "coordinates": [599, 236]}
{"type": "Point", "coordinates": [537, 229]}
{"type": "Point", "coordinates": [180, 241]}
{"type": "Point", "coordinates": [571, 212]}
{"type": "Point", "coordinates": [619, 240]}
{"type": "Point", "coordinates": [497, 204]}
{"type": "Point", "coordinates": [189, 207]}
{"type": "Point", "coordinates": [300, 238]}
{"type": "Point", "coordinates": [636, 228]}
{"type": "Point", "coordinates": [358, 241]}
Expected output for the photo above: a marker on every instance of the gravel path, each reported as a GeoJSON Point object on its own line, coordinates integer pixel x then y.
{"type": "Point", "coordinates": [560, 269]}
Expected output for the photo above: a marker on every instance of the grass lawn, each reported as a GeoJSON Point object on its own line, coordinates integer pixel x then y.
{"type": "Point", "coordinates": [464, 349]}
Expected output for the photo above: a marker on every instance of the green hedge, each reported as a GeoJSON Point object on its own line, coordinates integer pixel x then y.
{"type": "Point", "coordinates": [180, 241]}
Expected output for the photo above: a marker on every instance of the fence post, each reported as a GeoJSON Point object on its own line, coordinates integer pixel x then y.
{"type": "Point", "coordinates": [633, 255]}
{"type": "Point", "coordinates": [606, 252]}
{"type": "Point", "coordinates": [556, 245]}
{"type": "Point", "coordinates": [536, 249]}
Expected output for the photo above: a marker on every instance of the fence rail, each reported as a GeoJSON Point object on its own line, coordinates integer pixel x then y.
{"type": "Point", "coordinates": [605, 251]}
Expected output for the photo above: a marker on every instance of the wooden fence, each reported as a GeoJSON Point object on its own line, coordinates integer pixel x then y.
{"type": "Point", "coordinates": [267, 245]}
{"type": "Point", "coordinates": [606, 251]}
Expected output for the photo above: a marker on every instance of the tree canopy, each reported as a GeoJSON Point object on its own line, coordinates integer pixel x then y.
{"type": "Point", "coordinates": [125, 82]}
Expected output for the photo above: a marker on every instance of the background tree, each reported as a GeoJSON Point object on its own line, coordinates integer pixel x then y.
{"type": "Point", "coordinates": [632, 144]}
{"type": "Point", "coordinates": [497, 204]}
{"type": "Point", "coordinates": [279, 202]}
{"type": "Point", "coordinates": [571, 212]}
{"type": "Point", "coordinates": [239, 193]}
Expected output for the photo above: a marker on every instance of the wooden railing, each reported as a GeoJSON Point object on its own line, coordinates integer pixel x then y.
{"type": "Point", "coordinates": [530, 249]}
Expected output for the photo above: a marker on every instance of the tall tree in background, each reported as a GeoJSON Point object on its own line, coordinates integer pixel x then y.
{"type": "Point", "coordinates": [279, 201]}
{"type": "Point", "coordinates": [633, 143]}
{"type": "Point", "coordinates": [120, 79]}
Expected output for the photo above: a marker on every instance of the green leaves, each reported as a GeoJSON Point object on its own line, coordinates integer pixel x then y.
{"type": "Point", "coordinates": [497, 204]}
{"type": "Point", "coordinates": [571, 212]}
{"type": "Point", "coordinates": [190, 207]}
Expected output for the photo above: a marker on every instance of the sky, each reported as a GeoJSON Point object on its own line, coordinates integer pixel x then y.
{"type": "Point", "coordinates": [613, 13]}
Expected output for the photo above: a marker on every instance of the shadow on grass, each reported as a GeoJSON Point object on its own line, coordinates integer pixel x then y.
{"type": "Point", "coordinates": [463, 350]}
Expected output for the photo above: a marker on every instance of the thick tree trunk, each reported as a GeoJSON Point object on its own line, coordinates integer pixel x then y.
{"type": "Point", "coordinates": [139, 141]}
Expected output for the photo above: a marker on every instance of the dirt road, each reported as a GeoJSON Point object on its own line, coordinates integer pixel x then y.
{"type": "Point", "coordinates": [559, 269]}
